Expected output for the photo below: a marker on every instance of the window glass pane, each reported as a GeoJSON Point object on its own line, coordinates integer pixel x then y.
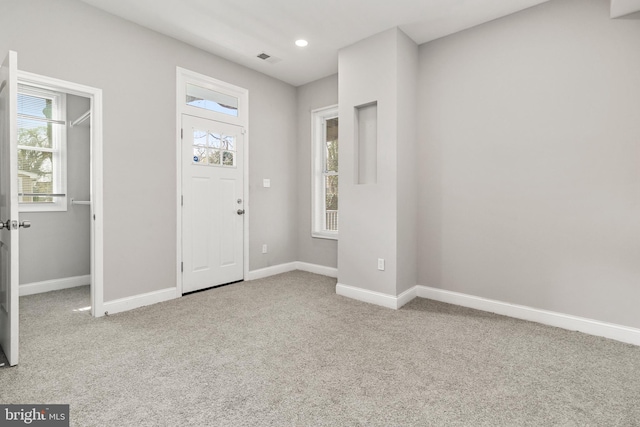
{"type": "Point", "coordinates": [331, 202]}
{"type": "Point", "coordinates": [35, 174]}
{"type": "Point", "coordinates": [211, 100]}
{"type": "Point", "coordinates": [33, 133]}
{"type": "Point", "coordinates": [199, 138]}
{"type": "Point", "coordinates": [34, 106]}
{"type": "Point", "coordinates": [229, 143]}
{"type": "Point", "coordinates": [214, 157]}
{"type": "Point", "coordinates": [228, 158]}
{"type": "Point", "coordinates": [200, 155]}
{"type": "Point", "coordinates": [331, 145]}
{"type": "Point", "coordinates": [214, 140]}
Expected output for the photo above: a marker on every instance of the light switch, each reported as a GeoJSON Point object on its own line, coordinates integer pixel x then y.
{"type": "Point", "coordinates": [381, 264]}
{"type": "Point", "coordinates": [266, 183]}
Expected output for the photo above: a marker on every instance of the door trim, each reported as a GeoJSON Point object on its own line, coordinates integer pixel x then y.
{"type": "Point", "coordinates": [184, 76]}
{"type": "Point", "coordinates": [96, 185]}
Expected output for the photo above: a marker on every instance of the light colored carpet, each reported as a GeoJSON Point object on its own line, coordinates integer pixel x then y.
{"type": "Point", "coordinates": [287, 351]}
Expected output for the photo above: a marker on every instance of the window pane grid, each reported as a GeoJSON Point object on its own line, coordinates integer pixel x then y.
{"type": "Point", "coordinates": [325, 189]}
{"type": "Point", "coordinates": [213, 149]}
{"type": "Point", "coordinates": [41, 125]}
{"type": "Point", "coordinates": [330, 151]}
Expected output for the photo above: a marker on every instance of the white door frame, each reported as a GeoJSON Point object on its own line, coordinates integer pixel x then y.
{"type": "Point", "coordinates": [184, 76]}
{"type": "Point", "coordinates": [97, 225]}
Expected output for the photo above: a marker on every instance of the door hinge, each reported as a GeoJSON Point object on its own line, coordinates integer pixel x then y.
{"type": "Point", "coordinates": [181, 200]}
{"type": "Point", "coordinates": [181, 133]}
{"type": "Point", "coordinates": [182, 267]}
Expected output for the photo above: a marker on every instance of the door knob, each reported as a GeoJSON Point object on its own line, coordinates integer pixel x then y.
{"type": "Point", "coordinates": [14, 224]}
{"type": "Point", "coordinates": [240, 211]}
{"type": "Point", "coordinates": [9, 225]}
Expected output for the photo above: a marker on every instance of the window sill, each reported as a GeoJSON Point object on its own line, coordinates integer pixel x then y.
{"type": "Point", "coordinates": [325, 235]}
{"type": "Point", "coordinates": [56, 207]}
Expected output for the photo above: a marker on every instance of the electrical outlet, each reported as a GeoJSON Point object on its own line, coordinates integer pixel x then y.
{"type": "Point", "coordinates": [381, 264]}
{"type": "Point", "coordinates": [266, 183]}
{"type": "Point", "coordinates": [264, 248]}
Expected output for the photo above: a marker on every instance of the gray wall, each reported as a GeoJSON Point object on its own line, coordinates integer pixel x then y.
{"type": "Point", "coordinates": [529, 163]}
{"type": "Point", "coordinates": [314, 95]}
{"type": "Point", "coordinates": [366, 73]}
{"type": "Point", "coordinates": [378, 219]}
{"type": "Point", "coordinates": [528, 179]}
{"type": "Point", "coordinates": [136, 68]}
{"type": "Point", "coordinates": [57, 245]}
{"type": "Point", "coordinates": [407, 148]}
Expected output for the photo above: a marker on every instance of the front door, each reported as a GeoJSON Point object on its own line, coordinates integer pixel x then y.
{"type": "Point", "coordinates": [9, 208]}
{"type": "Point", "coordinates": [213, 203]}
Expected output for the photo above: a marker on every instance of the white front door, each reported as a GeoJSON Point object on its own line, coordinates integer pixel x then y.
{"type": "Point", "coordinates": [9, 208]}
{"type": "Point", "coordinates": [213, 203]}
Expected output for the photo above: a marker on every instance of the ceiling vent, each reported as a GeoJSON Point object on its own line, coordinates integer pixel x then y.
{"type": "Point", "coordinates": [268, 58]}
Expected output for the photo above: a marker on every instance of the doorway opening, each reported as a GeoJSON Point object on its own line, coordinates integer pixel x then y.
{"type": "Point", "coordinates": [60, 187]}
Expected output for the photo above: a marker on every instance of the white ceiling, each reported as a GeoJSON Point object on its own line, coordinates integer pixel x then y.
{"type": "Point", "coordinates": [239, 30]}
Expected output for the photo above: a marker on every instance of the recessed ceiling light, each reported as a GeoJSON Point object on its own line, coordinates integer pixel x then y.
{"type": "Point", "coordinates": [301, 43]}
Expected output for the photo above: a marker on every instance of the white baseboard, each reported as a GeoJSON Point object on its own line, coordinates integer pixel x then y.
{"type": "Point", "coordinates": [565, 321]}
{"type": "Point", "coordinates": [124, 304]}
{"type": "Point", "coordinates": [54, 285]}
{"type": "Point", "coordinates": [271, 271]}
{"type": "Point", "coordinates": [377, 298]}
{"type": "Point", "coordinates": [136, 301]}
{"type": "Point", "coordinates": [291, 266]}
{"type": "Point", "coordinates": [407, 296]}
{"type": "Point", "coordinates": [317, 269]}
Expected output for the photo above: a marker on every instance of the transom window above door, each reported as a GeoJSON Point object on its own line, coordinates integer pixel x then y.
{"type": "Point", "coordinates": [213, 149]}
{"type": "Point", "coordinates": [211, 100]}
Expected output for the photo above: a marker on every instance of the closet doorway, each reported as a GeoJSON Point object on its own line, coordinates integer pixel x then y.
{"type": "Point", "coordinates": [60, 187]}
{"type": "Point", "coordinates": [32, 136]}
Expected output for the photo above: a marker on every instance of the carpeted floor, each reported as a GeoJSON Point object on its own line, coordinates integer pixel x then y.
{"type": "Point", "coordinates": [287, 351]}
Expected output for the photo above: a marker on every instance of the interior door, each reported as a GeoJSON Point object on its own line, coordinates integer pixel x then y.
{"type": "Point", "coordinates": [213, 203]}
{"type": "Point", "coordinates": [9, 208]}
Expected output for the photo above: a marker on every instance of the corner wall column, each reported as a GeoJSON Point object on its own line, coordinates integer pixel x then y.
{"type": "Point", "coordinates": [378, 207]}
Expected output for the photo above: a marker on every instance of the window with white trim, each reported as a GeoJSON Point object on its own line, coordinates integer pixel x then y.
{"type": "Point", "coordinates": [42, 134]}
{"type": "Point", "coordinates": [325, 172]}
